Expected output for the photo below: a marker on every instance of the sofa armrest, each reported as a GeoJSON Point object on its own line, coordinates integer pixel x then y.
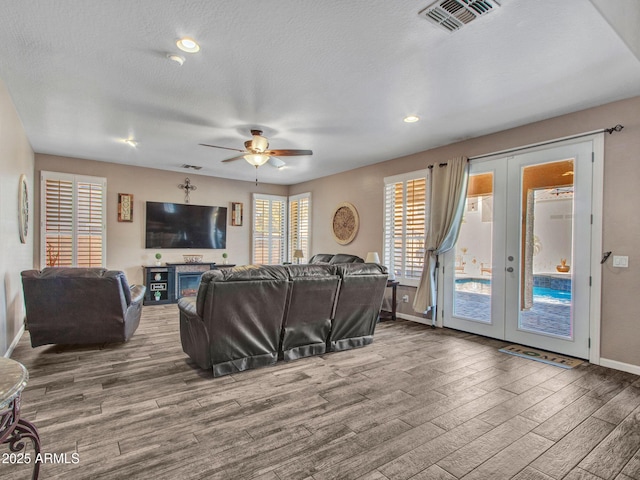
{"type": "Point", "coordinates": [137, 293]}
{"type": "Point", "coordinates": [188, 306]}
{"type": "Point", "coordinates": [193, 333]}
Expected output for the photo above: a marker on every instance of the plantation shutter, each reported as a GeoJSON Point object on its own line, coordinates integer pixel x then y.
{"type": "Point", "coordinates": [415, 228]}
{"type": "Point", "coordinates": [58, 221]}
{"type": "Point", "coordinates": [73, 225]}
{"type": "Point", "coordinates": [269, 229]}
{"type": "Point", "coordinates": [405, 212]}
{"type": "Point", "coordinates": [90, 224]}
{"type": "Point", "coordinates": [300, 226]}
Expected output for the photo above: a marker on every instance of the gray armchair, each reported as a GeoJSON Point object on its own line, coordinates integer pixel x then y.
{"type": "Point", "coordinates": [80, 306]}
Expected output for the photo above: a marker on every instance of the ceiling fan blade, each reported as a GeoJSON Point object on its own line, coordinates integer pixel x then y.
{"type": "Point", "coordinates": [288, 153]}
{"type": "Point", "coordinates": [233, 159]}
{"type": "Point", "coordinates": [216, 146]}
{"type": "Point", "coordinates": [276, 162]}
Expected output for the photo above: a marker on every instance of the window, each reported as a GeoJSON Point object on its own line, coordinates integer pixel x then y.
{"type": "Point", "coordinates": [299, 226]}
{"type": "Point", "coordinates": [281, 225]}
{"type": "Point", "coordinates": [269, 229]}
{"type": "Point", "coordinates": [73, 220]}
{"type": "Point", "coordinates": [405, 213]}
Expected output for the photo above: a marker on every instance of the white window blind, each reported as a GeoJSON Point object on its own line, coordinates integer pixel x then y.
{"type": "Point", "coordinates": [300, 226]}
{"type": "Point", "coordinates": [73, 220]}
{"type": "Point", "coordinates": [269, 229]}
{"type": "Point", "coordinates": [405, 214]}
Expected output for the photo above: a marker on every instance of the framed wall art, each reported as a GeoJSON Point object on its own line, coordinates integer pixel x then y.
{"type": "Point", "coordinates": [125, 207]}
{"type": "Point", "coordinates": [236, 214]}
{"type": "Point", "coordinates": [345, 223]}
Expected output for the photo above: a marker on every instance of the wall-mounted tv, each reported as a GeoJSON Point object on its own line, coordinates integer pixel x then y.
{"type": "Point", "coordinates": [176, 225]}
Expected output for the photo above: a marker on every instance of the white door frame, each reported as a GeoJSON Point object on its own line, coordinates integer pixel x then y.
{"type": "Point", "coordinates": [597, 188]}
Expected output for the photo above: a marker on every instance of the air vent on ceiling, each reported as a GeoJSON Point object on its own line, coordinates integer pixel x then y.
{"type": "Point", "coordinates": [452, 15]}
{"type": "Point", "coordinates": [195, 167]}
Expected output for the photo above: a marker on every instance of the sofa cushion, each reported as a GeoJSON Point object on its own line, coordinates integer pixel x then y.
{"type": "Point", "coordinates": [321, 258]}
{"type": "Point", "coordinates": [238, 274]}
{"type": "Point", "coordinates": [330, 258]}
{"type": "Point", "coordinates": [344, 258]}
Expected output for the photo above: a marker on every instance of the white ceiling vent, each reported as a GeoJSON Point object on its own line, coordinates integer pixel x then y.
{"type": "Point", "coordinates": [452, 15]}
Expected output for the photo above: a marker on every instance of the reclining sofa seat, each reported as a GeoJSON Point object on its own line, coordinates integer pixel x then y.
{"type": "Point", "coordinates": [235, 321]}
{"type": "Point", "coordinates": [310, 308]}
{"type": "Point", "coordinates": [358, 305]}
{"type": "Point", "coordinates": [72, 306]}
{"type": "Point", "coordinates": [251, 316]}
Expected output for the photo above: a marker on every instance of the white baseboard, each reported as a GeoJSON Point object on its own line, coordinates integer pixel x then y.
{"type": "Point", "coordinates": [15, 342]}
{"type": "Point", "coordinates": [624, 367]}
{"type": "Point", "coordinates": [413, 318]}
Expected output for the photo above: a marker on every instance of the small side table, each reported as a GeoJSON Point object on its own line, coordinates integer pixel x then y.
{"type": "Point", "coordinates": [385, 314]}
{"type": "Point", "coordinates": [13, 429]}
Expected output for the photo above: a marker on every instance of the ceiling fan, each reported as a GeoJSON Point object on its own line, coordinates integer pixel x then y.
{"type": "Point", "coordinates": [257, 151]}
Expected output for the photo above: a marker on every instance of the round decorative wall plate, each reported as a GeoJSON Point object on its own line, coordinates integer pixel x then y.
{"type": "Point", "coordinates": [23, 208]}
{"type": "Point", "coordinates": [345, 223]}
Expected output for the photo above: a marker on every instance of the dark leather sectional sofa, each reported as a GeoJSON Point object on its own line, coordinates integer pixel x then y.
{"type": "Point", "coordinates": [252, 316]}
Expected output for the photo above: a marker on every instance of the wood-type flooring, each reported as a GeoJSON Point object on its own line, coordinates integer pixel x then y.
{"type": "Point", "coordinates": [416, 404]}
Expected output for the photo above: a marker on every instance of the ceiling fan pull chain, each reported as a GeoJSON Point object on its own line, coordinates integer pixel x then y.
{"type": "Point", "coordinates": [256, 175]}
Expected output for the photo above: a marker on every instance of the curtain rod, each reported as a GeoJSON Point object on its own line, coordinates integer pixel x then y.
{"type": "Point", "coordinates": [617, 128]}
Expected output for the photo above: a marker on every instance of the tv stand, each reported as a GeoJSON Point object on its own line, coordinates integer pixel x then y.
{"type": "Point", "coordinates": [172, 281]}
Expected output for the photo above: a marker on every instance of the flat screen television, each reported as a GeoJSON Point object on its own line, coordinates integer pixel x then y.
{"type": "Point", "coordinates": [176, 225]}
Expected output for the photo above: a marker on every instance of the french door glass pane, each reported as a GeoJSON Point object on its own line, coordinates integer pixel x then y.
{"type": "Point", "coordinates": [472, 278]}
{"type": "Point", "coordinates": [547, 208]}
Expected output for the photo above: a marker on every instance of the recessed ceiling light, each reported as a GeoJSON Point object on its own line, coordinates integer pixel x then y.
{"type": "Point", "coordinates": [188, 45]}
{"type": "Point", "coordinates": [411, 119]}
{"type": "Point", "coordinates": [131, 142]}
{"type": "Point", "coordinates": [175, 58]}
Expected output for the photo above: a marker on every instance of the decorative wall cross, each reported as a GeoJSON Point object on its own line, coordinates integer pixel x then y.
{"type": "Point", "coordinates": [188, 188]}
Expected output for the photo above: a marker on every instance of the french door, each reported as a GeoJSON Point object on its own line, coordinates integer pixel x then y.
{"type": "Point", "coordinates": [521, 268]}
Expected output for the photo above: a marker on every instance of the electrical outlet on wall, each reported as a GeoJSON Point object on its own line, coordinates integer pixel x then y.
{"type": "Point", "coordinates": [405, 299]}
{"type": "Point", "coordinates": [621, 261]}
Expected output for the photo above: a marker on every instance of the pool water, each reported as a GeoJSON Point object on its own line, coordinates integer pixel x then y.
{"type": "Point", "coordinates": [540, 294]}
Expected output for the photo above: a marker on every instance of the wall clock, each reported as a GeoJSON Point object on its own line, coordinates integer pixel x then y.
{"type": "Point", "coordinates": [345, 223]}
{"type": "Point", "coordinates": [23, 208]}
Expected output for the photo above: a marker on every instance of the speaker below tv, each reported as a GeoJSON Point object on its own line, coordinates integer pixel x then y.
{"type": "Point", "coordinates": [177, 225]}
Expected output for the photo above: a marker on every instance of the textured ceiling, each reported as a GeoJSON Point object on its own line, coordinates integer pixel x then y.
{"type": "Point", "coordinates": [333, 76]}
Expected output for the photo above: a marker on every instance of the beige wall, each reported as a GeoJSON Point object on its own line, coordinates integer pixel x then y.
{"type": "Point", "coordinates": [620, 338]}
{"type": "Point", "coordinates": [125, 241]}
{"type": "Point", "coordinates": [16, 158]}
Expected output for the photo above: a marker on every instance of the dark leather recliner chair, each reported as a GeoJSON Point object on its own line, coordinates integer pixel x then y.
{"type": "Point", "coordinates": [71, 306]}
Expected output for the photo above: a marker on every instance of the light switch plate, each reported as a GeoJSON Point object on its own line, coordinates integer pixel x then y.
{"type": "Point", "coordinates": [621, 261]}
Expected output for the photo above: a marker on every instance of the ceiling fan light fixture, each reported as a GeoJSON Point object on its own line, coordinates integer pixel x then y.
{"type": "Point", "coordinates": [256, 159]}
{"type": "Point", "coordinates": [189, 45]}
{"type": "Point", "coordinates": [411, 118]}
{"type": "Point", "coordinates": [259, 143]}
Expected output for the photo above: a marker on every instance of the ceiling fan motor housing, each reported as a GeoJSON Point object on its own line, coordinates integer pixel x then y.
{"type": "Point", "coordinates": [258, 143]}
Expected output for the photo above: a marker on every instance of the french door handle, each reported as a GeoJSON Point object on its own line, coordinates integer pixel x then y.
{"type": "Point", "coordinates": [509, 269]}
